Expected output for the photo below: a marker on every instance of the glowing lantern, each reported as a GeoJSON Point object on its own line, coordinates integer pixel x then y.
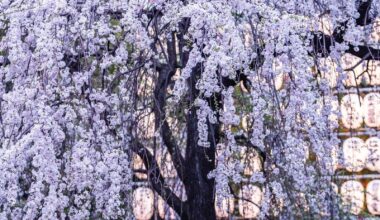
{"type": "Point", "coordinates": [251, 161]}
{"type": "Point", "coordinates": [224, 206]}
{"type": "Point", "coordinates": [373, 161]}
{"type": "Point", "coordinates": [371, 109]}
{"type": "Point", "coordinates": [138, 165]}
{"type": "Point", "coordinates": [249, 205]}
{"type": "Point", "coordinates": [373, 197]}
{"type": "Point", "coordinates": [351, 111]}
{"type": "Point", "coordinates": [352, 194]}
{"type": "Point", "coordinates": [281, 76]}
{"type": "Point", "coordinates": [334, 115]}
{"type": "Point", "coordinates": [325, 25]}
{"type": "Point", "coordinates": [334, 188]}
{"type": "Point", "coordinates": [165, 164]}
{"type": "Point", "coordinates": [143, 203]}
{"type": "Point", "coordinates": [354, 154]}
{"type": "Point", "coordinates": [245, 122]}
{"type": "Point", "coordinates": [279, 81]}
{"type": "Point", "coordinates": [278, 74]}
{"type": "Point", "coordinates": [375, 34]}
{"type": "Point", "coordinates": [177, 188]}
{"type": "Point", "coordinates": [165, 211]}
{"type": "Point", "coordinates": [328, 71]}
{"type": "Point", "coordinates": [145, 124]}
{"type": "Point", "coordinates": [353, 76]}
{"type": "Point", "coordinates": [333, 164]}
{"type": "Point", "coordinates": [372, 77]}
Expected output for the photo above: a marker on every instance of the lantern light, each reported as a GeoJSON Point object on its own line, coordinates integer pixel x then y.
{"type": "Point", "coordinates": [143, 203]}
{"type": "Point", "coordinates": [145, 124]}
{"type": "Point", "coordinates": [350, 62]}
{"type": "Point", "coordinates": [251, 161]}
{"type": "Point", "coordinates": [352, 194]}
{"type": "Point", "coordinates": [354, 154]}
{"type": "Point", "coordinates": [328, 71]}
{"type": "Point", "coordinates": [334, 115]}
{"type": "Point", "coordinates": [165, 163]}
{"type": "Point", "coordinates": [224, 206]}
{"type": "Point", "coordinates": [373, 160]}
{"type": "Point", "coordinates": [371, 109]}
{"type": "Point", "coordinates": [334, 188]}
{"type": "Point", "coordinates": [249, 205]}
{"type": "Point", "coordinates": [333, 163]}
{"type": "Point", "coordinates": [373, 197]}
{"type": "Point", "coordinates": [138, 164]}
{"type": "Point", "coordinates": [177, 188]}
{"type": "Point", "coordinates": [372, 76]}
{"type": "Point", "coordinates": [375, 33]}
{"type": "Point", "coordinates": [165, 211]}
{"type": "Point", "coordinates": [325, 25]}
{"type": "Point", "coordinates": [351, 111]}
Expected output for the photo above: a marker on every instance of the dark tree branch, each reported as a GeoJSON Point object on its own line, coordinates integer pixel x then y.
{"type": "Point", "coordinates": [158, 182]}
{"type": "Point", "coordinates": [322, 44]}
{"type": "Point", "coordinates": [363, 10]}
{"type": "Point", "coordinates": [241, 139]}
{"type": "Point", "coordinates": [174, 150]}
{"type": "Point", "coordinates": [160, 93]}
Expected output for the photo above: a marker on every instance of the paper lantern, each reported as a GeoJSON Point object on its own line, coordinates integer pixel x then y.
{"type": "Point", "coordinates": [224, 206]}
{"type": "Point", "coordinates": [177, 188]}
{"type": "Point", "coordinates": [249, 206]}
{"type": "Point", "coordinates": [349, 61]}
{"type": "Point", "coordinates": [325, 25]}
{"type": "Point", "coordinates": [373, 160]}
{"type": "Point", "coordinates": [352, 194]}
{"type": "Point", "coordinates": [280, 74]}
{"type": "Point", "coordinates": [354, 154]}
{"type": "Point", "coordinates": [372, 77]}
{"type": "Point", "coordinates": [138, 165]}
{"type": "Point", "coordinates": [143, 203]}
{"type": "Point", "coordinates": [245, 122]}
{"type": "Point", "coordinates": [334, 190]}
{"type": "Point", "coordinates": [333, 164]}
{"type": "Point", "coordinates": [251, 160]}
{"type": "Point", "coordinates": [145, 124]}
{"type": "Point", "coordinates": [165, 211]}
{"type": "Point", "coordinates": [373, 197]}
{"type": "Point", "coordinates": [375, 33]}
{"type": "Point", "coordinates": [371, 109]}
{"type": "Point", "coordinates": [351, 111]}
{"type": "Point", "coordinates": [279, 81]}
{"type": "Point", "coordinates": [165, 163]}
{"type": "Point", "coordinates": [328, 71]}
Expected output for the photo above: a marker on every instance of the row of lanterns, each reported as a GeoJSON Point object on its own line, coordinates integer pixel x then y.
{"type": "Point", "coordinates": [366, 72]}
{"type": "Point", "coordinates": [354, 109]}
{"type": "Point", "coordinates": [354, 196]}
{"type": "Point", "coordinates": [248, 204]}
{"type": "Point", "coordinates": [359, 154]}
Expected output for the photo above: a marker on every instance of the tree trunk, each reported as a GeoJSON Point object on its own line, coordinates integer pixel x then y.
{"type": "Point", "coordinates": [200, 162]}
{"type": "Point", "coordinates": [201, 192]}
{"type": "Point", "coordinates": [199, 187]}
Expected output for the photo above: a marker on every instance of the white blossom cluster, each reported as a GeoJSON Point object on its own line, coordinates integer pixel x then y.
{"type": "Point", "coordinates": [63, 136]}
